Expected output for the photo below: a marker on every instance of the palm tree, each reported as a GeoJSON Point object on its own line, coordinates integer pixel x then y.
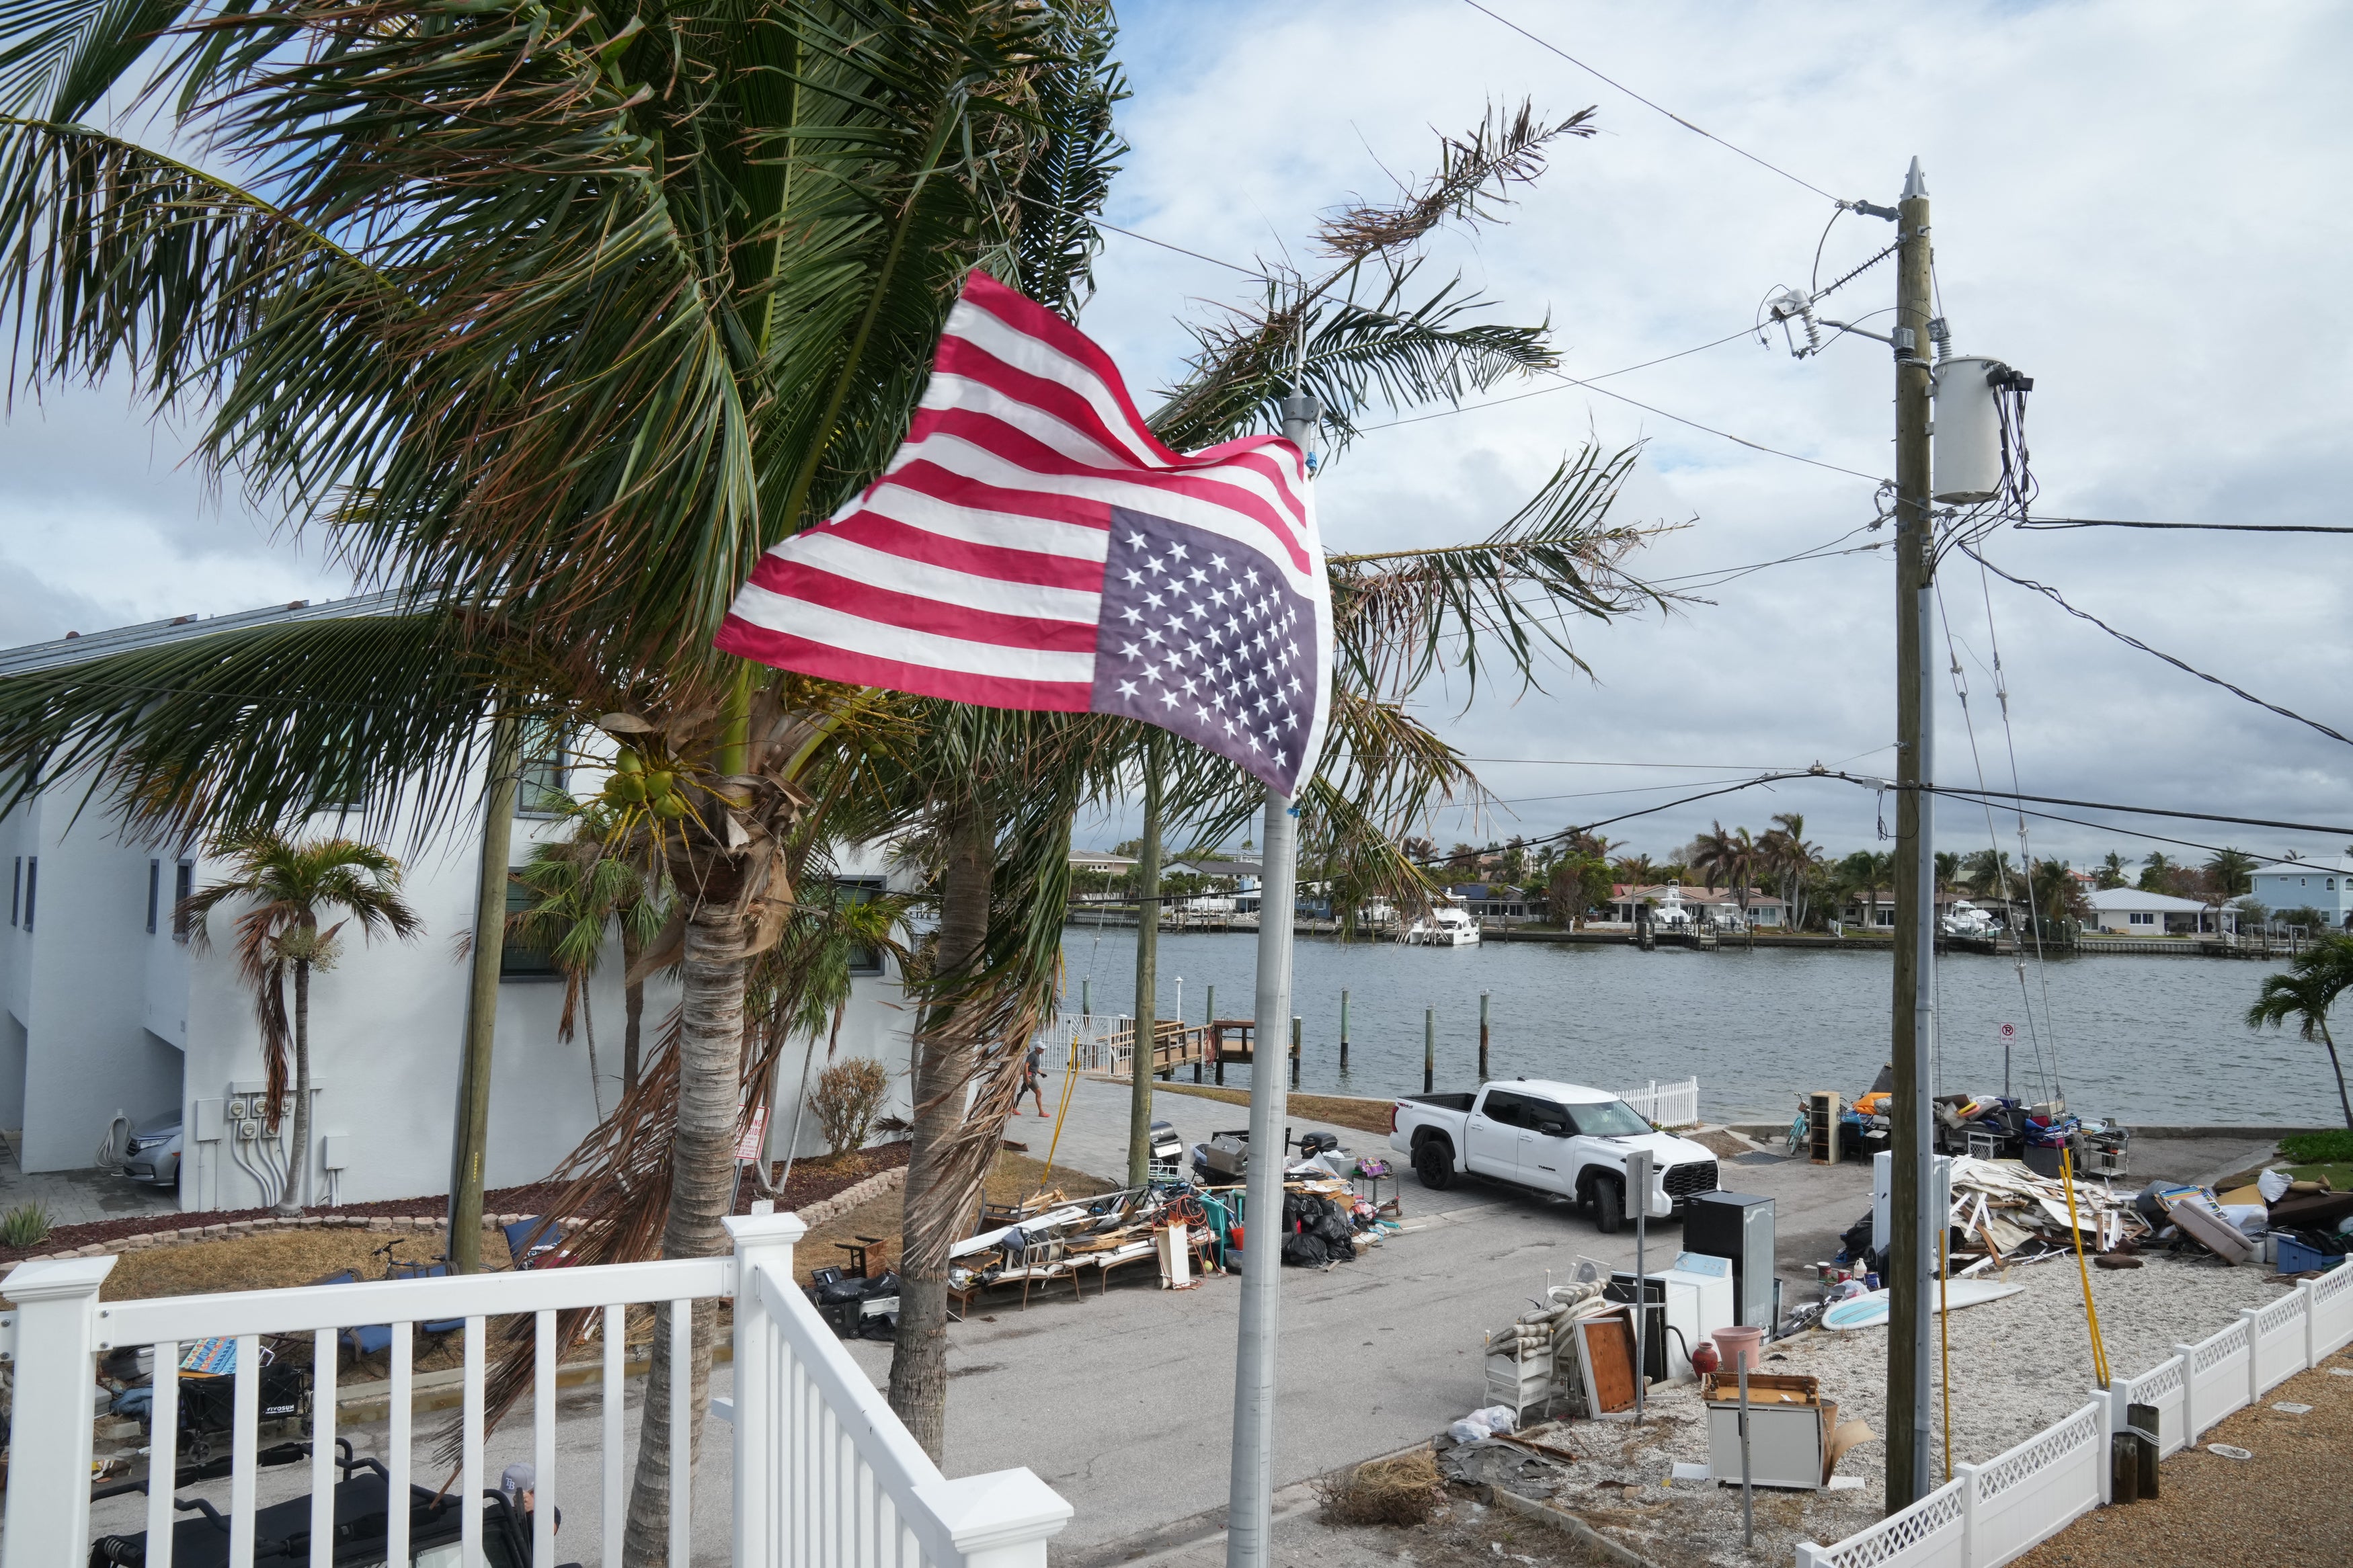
{"type": "Point", "coordinates": [2158, 872]}
{"type": "Point", "coordinates": [291, 884]}
{"type": "Point", "coordinates": [2316, 978]}
{"type": "Point", "coordinates": [1785, 852]}
{"type": "Point", "coordinates": [1729, 857]}
{"type": "Point", "coordinates": [1865, 873]}
{"type": "Point", "coordinates": [580, 891]}
{"type": "Point", "coordinates": [2112, 871]}
{"type": "Point", "coordinates": [2057, 894]}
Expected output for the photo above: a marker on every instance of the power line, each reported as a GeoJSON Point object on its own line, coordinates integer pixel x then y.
{"type": "Point", "coordinates": [1649, 103]}
{"type": "Point", "coordinates": [2038, 524]}
{"type": "Point", "coordinates": [1548, 390]}
{"type": "Point", "coordinates": [2130, 641]}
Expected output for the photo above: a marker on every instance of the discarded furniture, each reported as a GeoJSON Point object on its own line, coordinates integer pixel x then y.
{"type": "Point", "coordinates": [1789, 1425]}
{"type": "Point", "coordinates": [1824, 1107]}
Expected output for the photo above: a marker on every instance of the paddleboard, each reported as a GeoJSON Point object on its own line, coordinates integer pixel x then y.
{"type": "Point", "coordinates": [1870, 1311]}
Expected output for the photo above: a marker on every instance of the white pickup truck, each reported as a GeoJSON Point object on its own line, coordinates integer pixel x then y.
{"type": "Point", "coordinates": [1552, 1137]}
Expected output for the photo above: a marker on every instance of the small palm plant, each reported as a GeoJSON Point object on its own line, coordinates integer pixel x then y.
{"type": "Point", "coordinates": [580, 889]}
{"type": "Point", "coordinates": [27, 1224]}
{"type": "Point", "coordinates": [2314, 979]}
{"type": "Point", "coordinates": [291, 884]}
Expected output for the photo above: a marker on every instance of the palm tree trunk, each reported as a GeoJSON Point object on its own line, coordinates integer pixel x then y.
{"type": "Point", "coordinates": [589, 1027]}
{"type": "Point", "coordinates": [944, 1057]}
{"type": "Point", "coordinates": [298, 1169]}
{"type": "Point", "coordinates": [701, 1189]}
{"type": "Point", "coordinates": [633, 1012]}
{"type": "Point", "coordinates": [2338, 1068]}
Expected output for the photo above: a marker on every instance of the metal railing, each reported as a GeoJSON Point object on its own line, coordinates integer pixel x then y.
{"type": "Point", "coordinates": [824, 1471]}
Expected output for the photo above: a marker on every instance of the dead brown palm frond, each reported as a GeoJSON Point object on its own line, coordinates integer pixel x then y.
{"type": "Point", "coordinates": [1475, 172]}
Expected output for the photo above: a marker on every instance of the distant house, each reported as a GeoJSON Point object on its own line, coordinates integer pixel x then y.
{"type": "Point", "coordinates": [2326, 884]}
{"type": "Point", "coordinates": [1721, 905]}
{"type": "Point", "coordinates": [2129, 911]}
{"type": "Point", "coordinates": [1496, 900]}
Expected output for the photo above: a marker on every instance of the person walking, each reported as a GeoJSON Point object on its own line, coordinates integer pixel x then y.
{"type": "Point", "coordinates": [1033, 1068]}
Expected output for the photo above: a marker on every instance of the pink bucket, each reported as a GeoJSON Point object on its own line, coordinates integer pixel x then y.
{"type": "Point", "coordinates": [1738, 1348]}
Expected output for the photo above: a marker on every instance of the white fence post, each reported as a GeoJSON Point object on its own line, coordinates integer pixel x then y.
{"type": "Point", "coordinates": [2310, 1291]}
{"type": "Point", "coordinates": [2106, 1402]}
{"type": "Point", "coordinates": [2191, 1430]}
{"type": "Point", "coordinates": [761, 1240]}
{"type": "Point", "coordinates": [2254, 1356]}
{"type": "Point", "coordinates": [1809, 1555]}
{"type": "Point", "coordinates": [999, 1520]}
{"type": "Point", "coordinates": [51, 1428]}
{"type": "Point", "coordinates": [1968, 1475]}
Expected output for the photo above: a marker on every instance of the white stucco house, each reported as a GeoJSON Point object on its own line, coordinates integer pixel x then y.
{"type": "Point", "coordinates": [2129, 911]}
{"type": "Point", "coordinates": [107, 1009]}
{"type": "Point", "coordinates": [2326, 884]}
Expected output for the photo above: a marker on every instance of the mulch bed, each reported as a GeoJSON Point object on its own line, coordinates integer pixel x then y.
{"type": "Point", "coordinates": [812, 1181]}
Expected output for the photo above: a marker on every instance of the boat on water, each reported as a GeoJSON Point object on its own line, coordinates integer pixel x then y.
{"type": "Point", "coordinates": [1443, 926]}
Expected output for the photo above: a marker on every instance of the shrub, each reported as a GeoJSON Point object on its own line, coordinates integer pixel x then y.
{"type": "Point", "coordinates": [848, 1096]}
{"type": "Point", "coordinates": [1404, 1490]}
{"type": "Point", "coordinates": [2329, 1148]}
{"type": "Point", "coordinates": [27, 1224]}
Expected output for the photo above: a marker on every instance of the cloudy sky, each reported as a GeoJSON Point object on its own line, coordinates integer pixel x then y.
{"type": "Point", "coordinates": [2137, 204]}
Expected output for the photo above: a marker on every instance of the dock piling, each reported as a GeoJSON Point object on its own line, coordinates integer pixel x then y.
{"type": "Point", "coordinates": [1344, 1031]}
{"type": "Point", "coordinates": [1483, 1036]}
{"type": "Point", "coordinates": [1430, 1050]}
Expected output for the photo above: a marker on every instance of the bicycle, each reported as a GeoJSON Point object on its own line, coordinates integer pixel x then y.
{"type": "Point", "coordinates": [1799, 1128]}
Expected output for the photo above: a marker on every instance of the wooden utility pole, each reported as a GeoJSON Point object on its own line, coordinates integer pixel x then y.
{"type": "Point", "coordinates": [1912, 1242]}
{"type": "Point", "coordinates": [1147, 969]}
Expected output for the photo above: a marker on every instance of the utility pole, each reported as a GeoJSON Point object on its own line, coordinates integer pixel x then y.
{"type": "Point", "coordinates": [1147, 969]}
{"type": "Point", "coordinates": [1912, 1244]}
{"type": "Point", "coordinates": [1250, 1490]}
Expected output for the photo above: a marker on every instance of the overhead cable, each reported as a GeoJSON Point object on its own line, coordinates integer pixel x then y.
{"type": "Point", "coordinates": [1649, 103]}
{"type": "Point", "coordinates": [2036, 525]}
{"type": "Point", "coordinates": [2130, 641]}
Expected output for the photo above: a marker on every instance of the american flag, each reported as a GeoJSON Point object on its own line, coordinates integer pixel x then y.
{"type": "Point", "coordinates": [1032, 545]}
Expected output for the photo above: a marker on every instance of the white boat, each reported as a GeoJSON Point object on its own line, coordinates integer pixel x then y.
{"type": "Point", "coordinates": [1966, 919]}
{"type": "Point", "coordinates": [1444, 926]}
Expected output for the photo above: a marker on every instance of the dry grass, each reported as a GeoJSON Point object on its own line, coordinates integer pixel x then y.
{"type": "Point", "coordinates": [1340, 1110]}
{"type": "Point", "coordinates": [271, 1259]}
{"type": "Point", "coordinates": [1012, 1179]}
{"type": "Point", "coordinates": [1403, 1489]}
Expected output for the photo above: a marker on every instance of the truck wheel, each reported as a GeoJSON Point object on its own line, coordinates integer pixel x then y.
{"type": "Point", "coordinates": [1434, 1163]}
{"type": "Point", "coordinates": [1609, 1207]}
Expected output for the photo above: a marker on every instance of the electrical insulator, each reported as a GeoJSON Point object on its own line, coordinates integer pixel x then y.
{"type": "Point", "coordinates": [1942, 336]}
{"type": "Point", "coordinates": [1965, 458]}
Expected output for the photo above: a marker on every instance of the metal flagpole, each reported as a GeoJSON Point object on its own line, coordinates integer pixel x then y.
{"type": "Point", "coordinates": [1249, 1494]}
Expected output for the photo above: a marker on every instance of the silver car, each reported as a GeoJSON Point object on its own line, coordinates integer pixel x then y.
{"type": "Point", "coordinates": [153, 1153]}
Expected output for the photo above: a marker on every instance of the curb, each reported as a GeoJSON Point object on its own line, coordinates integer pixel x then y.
{"type": "Point", "coordinates": [184, 1236]}
{"type": "Point", "coordinates": [1570, 1525]}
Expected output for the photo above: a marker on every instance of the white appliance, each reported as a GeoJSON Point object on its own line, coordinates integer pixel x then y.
{"type": "Point", "coordinates": [1699, 1302]}
{"type": "Point", "coordinates": [1883, 1186]}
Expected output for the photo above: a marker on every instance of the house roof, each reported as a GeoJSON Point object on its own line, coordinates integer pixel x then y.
{"type": "Point", "coordinates": [1622, 891]}
{"type": "Point", "coordinates": [2110, 901]}
{"type": "Point", "coordinates": [1227, 868]}
{"type": "Point", "coordinates": [73, 650]}
{"type": "Point", "coordinates": [2324, 866]}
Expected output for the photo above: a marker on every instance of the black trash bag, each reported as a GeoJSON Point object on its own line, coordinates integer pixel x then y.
{"type": "Point", "coordinates": [1305, 1250]}
{"type": "Point", "coordinates": [883, 1284]}
{"type": "Point", "coordinates": [1332, 1224]}
{"type": "Point", "coordinates": [880, 1326]}
{"type": "Point", "coordinates": [833, 1293]}
{"type": "Point", "coordinates": [1857, 1240]}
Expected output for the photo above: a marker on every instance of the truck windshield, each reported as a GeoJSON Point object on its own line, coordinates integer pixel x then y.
{"type": "Point", "coordinates": [1609, 1119]}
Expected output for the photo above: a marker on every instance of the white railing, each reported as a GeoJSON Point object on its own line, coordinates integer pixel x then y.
{"type": "Point", "coordinates": [1085, 1038]}
{"type": "Point", "coordinates": [1989, 1514]}
{"type": "Point", "coordinates": [1668, 1104]}
{"type": "Point", "coordinates": [823, 1472]}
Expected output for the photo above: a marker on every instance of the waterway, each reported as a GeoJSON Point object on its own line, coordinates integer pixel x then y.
{"type": "Point", "coordinates": [2152, 1039]}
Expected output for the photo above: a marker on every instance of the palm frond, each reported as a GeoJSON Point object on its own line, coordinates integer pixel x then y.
{"type": "Point", "coordinates": [1475, 174]}
{"type": "Point", "coordinates": [1399, 617]}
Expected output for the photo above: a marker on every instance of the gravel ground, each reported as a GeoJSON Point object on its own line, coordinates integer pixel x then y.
{"type": "Point", "coordinates": [2020, 1365]}
{"type": "Point", "coordinates": [2289, 1507]}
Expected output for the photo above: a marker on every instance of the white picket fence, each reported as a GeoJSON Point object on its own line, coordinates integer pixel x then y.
{"type": "Point", "coordinates": [1668, 1104]}
{"type": "Point", "coordinates": [823, 1472]}
{"type": "Point", "coordinates": [1988, 1514]}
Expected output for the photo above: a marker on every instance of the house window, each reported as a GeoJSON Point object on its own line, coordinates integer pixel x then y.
{"type": "Point", "coordinates": [863, 960]}
{"type": "Point", "coordinates": [32, 886]}
{"type": "Point", "coordinates": [517, 962]}
{"type": "Point", "coordinates": [2141, 917]}
{"type": "Point", "coordinates": [184, 888]}
{"type": "Point", "coordinates": [543, 784]}
{"type": "Point", "coordinates": [154, 892]}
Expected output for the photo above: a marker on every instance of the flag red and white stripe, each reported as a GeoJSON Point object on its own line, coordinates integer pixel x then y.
{"type": "Point", "coordinates": [1032, 545]}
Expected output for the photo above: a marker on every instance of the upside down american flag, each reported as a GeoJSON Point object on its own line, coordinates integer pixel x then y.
{"type": "Point", "coordinates": [1032, 545]}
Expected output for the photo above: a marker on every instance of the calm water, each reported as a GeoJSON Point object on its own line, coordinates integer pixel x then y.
{"type": "Point", "coordinates": [2152, 1039]}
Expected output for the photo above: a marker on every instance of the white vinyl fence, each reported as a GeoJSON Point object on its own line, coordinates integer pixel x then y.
{"type": "Point", "coordinates": [823, 1472]}
{"type": "Point", "coordinates": [1988, 1514]}
{"type": "Point", "coordinates": [1668, 1104]}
